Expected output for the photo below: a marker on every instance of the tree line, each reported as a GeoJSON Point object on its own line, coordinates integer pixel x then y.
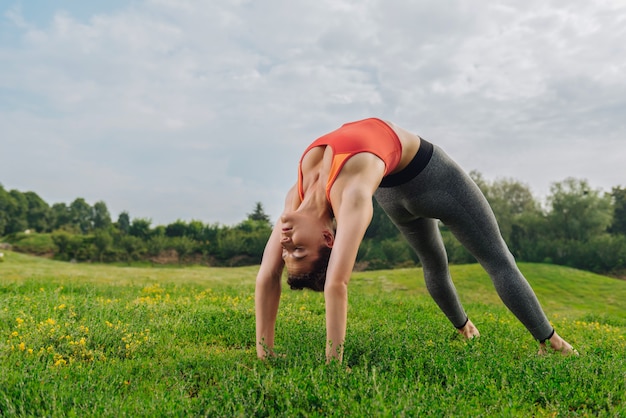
{"type": "Point", "coordinates": [576, 225]}
{"type": "Point", "coordinates": [82, 232]}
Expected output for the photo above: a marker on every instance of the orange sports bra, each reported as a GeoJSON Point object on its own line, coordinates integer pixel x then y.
{"type": "Point", "coordinates": [369, 135]}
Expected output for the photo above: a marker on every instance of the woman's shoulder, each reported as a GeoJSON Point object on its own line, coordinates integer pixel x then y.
{"type": "Point", "coordinates": [352, 191]}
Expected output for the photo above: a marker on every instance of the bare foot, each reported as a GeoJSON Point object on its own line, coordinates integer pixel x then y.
{"type": "Point", "coordinates": [469, 330]}
{"type": "Point", "coordinates": [558, 345]}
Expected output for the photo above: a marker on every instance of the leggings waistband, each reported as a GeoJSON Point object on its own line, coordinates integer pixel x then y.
{"type": "Point", "coordinates": [417, 164]}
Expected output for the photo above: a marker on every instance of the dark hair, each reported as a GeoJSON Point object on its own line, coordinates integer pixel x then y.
{"type": "Point", "coordinates": [314, 279]}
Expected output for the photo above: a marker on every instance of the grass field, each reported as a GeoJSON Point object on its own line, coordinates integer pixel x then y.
{"type": "Point", "coordinates": [95, 340]}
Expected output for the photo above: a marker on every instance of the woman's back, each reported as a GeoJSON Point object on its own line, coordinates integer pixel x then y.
{"type": "Point", "coordinates": [352, 150]}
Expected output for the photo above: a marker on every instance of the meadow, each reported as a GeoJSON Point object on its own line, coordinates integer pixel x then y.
{"type": "Point", "coordinates": [96, 340]}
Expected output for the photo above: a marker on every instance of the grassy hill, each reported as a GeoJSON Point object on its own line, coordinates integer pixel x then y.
{"type": "Point", "coordinates": [121, 341]}
{"type": "Point", "coordinates": [563, 291]}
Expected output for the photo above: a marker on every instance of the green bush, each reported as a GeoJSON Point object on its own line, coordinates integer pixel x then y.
{"type": "Point", "coordinates": [601, 254]}
{"type": "Point", "coordinates": [33, 243]}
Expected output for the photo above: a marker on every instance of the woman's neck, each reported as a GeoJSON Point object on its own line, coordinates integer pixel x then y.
{"type": "Point", "coordinates": [315, 202]}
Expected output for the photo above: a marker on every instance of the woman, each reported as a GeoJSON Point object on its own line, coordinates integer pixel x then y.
{"type": "Point", "coordinates": [329, 208]}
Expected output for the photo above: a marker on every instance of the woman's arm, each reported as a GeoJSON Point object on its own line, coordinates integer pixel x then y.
{"type": "Point", "coordinates": [352, 204]}
{"type": "Point", "coordinates": [267, 294]}
{"type": "Point", "coordinates": [354, 216]}
{"type": "Point", "coordinates": [267, 291]}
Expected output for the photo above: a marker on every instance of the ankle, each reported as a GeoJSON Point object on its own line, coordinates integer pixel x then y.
{"type": "Point", "coordinates": [559, 345]}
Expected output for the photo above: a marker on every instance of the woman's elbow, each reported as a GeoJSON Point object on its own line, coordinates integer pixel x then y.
{"type": "Point", "coordinates": [336, 289]}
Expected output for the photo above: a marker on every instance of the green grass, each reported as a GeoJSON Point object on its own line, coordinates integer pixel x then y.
{"type": "Point", "coordinates": [79, 339]}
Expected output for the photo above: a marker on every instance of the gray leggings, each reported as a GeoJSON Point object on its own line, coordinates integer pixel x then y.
{"type": "Point", "coordinates": [442, 190]}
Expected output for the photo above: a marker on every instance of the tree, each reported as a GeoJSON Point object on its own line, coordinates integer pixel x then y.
{"type": "Point", "coordinates": [619, 211]}
{"type": "Point", "coordinates": [509, 199]}
{"type": "Point", "coordinates": [123, 222]}
{"type": "Point", "coordinates": [102, 242]}
{"type": "Point", "coordinates": [101, 216]}
{"type": "Point", "coordinates": [243, 242]}
{"type": "Point", "coordinates": [140, 228]}
{"type": "Point", "coordinates": [59, 216]}
{"type": "Point", "coordinates": [577, 211]}
{"type": "Point", "coordinates": [258, 214]}
{"type": "Point", "coordinates": [81, 215]}
{"type": "Point", "coordinates": [17, 211]}
{"type": "Point", "coordinates": [183, 246]}
{"type": "Point", "coordinates": [195, 230]}
{"type": "Point", "coordinates": [132, 246]}
{"type": "Point", "coordinates": [38, 215]}
{"type": "Point", "coordinates": [4, 209]}
{"type": "Point", "coordinates": [230, 243]}
{"type": "Point", "coordinates": [158, 231]}
{"type": "Point", "coordinates": [155, 245]}
{"type": "Point", "coordinates": [62, 240]}
{"type": "Point", "coordinates": [528, 240]}
{"type": "Point", "coordinates": [68, 244]}
{"type": "Point", "coordinates": [176, 229]}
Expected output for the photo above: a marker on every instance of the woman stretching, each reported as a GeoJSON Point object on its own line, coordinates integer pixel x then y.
{"type": "Point", "coordinates": [329, 208]}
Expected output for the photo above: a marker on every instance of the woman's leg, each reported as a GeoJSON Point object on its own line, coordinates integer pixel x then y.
{"type": "Point", "coordinates": [424, 237]}
{"type": "Point", "coordinates": [470, 218]}
{"type": "Point", "coordinates": [444, 191]}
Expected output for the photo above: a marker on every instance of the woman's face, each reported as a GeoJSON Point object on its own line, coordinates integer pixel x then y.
{"type": "Point", "coordinates": [301, 238]}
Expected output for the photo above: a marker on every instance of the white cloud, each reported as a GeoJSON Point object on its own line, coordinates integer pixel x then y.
{"type": "Point", "coordinates": [185, 109]}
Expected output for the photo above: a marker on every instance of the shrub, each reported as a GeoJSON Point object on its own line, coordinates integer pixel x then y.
{"type": "Point", "coordinates": [33, 243]}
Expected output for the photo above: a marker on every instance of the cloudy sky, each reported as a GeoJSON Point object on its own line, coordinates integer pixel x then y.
{"type": "Point", "coordinates": [197, 109]}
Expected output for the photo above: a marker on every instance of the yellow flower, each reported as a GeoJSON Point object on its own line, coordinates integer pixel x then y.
{"type": "Point", "coordinates": [19, 321]}
{"type": "Point", "coordinates": [50, 321]}
{"type": "Point", "coordinates": [22, 346]}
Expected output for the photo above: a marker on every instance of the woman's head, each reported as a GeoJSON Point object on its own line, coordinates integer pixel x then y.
{"type": "Point", "coordinates": [306, 244]}
{"type": "Point", "coordinates": [315, 278]}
